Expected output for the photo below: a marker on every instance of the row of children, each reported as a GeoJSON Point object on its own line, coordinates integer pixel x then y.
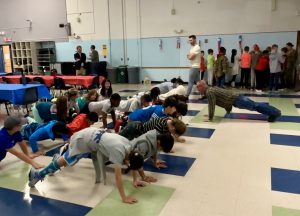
{"type": "Point", "coordinates": [267, 68]}
{"type": "Point", "coordinates": [149, 129]}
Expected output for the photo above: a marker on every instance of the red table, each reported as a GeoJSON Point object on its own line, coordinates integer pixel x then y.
{"type": "Point", "coordinates": [84, 81]}
{"type": "Point", "coordinates": [49, 80]}
{"type": "Point", "coordinates": [15, 79]}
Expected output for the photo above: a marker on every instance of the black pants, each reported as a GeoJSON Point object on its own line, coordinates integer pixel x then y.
{"type": "Point", "coordinates": [131, 130]}
{"type": "Point", "coordinates": [282, 80]}
{"type": "Point", "coordinates": [245, 74]}
{"type": "Point", "coordinates": [202, 75]}
{"type": "Point", "coordinates": [260, 79]}
{"type": "Point", "coordinates": [233, 78]}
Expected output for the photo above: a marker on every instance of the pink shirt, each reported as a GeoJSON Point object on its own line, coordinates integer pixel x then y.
{"type": "Point", "coordinates": [245, 60]}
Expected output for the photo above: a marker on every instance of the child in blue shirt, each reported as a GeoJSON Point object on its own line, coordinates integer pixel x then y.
{"type": "Point", "coordinates": [35, 132]}
{"type": "Point", "coordinates": [9, 136]}
{"type": "Point", "coordinates": [171, 107]}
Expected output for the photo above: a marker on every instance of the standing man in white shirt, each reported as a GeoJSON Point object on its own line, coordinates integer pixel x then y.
{"type": "Point", "coordinates": [194, 57]}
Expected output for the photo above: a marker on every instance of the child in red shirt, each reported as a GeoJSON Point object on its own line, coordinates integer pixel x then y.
{"type": "Point", "coordinates": [82, 121]}
{"type": "Point", "coordinates": [261, 70]}
{"type": "Point", "coordinates": [245, 67]}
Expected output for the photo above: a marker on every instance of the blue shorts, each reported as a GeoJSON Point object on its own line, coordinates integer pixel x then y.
{"type": "Point", "coordinates": [71, 161]}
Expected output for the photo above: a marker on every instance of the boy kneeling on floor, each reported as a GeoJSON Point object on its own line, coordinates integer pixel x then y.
{"type": "Point", "coordinates": [111, 147]}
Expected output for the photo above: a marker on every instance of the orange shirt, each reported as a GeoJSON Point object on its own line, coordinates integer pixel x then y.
{"type": "Point", "coordinates": [245, 60]}
{"type": "Point", "coordinates": [78, 123]}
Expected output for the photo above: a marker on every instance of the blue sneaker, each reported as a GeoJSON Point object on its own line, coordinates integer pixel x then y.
{"type": "Point", "coordinates": [34, 177]}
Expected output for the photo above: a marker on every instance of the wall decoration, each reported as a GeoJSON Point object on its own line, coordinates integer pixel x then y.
{"type": "Point", "coordinates": [178, 43]}
{"type": "Point", "coordinates": [104, 51]}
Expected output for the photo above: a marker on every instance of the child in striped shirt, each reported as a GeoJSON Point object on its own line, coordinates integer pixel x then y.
{"type": "Point", "coordinates": [162, 125]}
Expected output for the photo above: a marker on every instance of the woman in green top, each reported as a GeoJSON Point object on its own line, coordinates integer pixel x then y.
{"type": "Point", "coordinates": [92, 95]}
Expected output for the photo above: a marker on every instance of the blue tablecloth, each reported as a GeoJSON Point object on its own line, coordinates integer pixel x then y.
{"type": "Point", "coordinates": [15, 92]}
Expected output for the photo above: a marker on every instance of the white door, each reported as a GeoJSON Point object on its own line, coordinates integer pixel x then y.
{"type": "Point", "coordinates": [124, 32]}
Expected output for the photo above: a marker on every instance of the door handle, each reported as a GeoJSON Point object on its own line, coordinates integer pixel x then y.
{"type": "Point", "coordinates": [121, 59]}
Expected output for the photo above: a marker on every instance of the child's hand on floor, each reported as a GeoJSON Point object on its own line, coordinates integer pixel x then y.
{"type": "Point", "coordinates": [160, 164]}
{"type": "Point", "coordinates": [205, 118]}
{"type": "Point", "coordinates": [139, 183]}
{"type": "Point", "coordinates": [149, 179]}
{"type": "Point", "coordinates": [130, 200]}
{"type": "Point", "coordinates": [180, 139]}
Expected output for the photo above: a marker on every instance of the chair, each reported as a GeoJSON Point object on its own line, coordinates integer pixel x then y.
{"type": "Point", "coordinates": [102, 69]}
{"type": "Point", "coordinates": [5, 80]}
{"type": "Point", "coordinates": [30, 96]}
{"type": "Point", "coordinates": [95, 83]}
{"type": "Point", "coordinates": [59, 84]}
{"type": "Point", "coordinates": [6, 104]}
{"type": "Point", "coordinates": [28, 80]}
{"type": "Point", "coordinates": [53, 72]}
{"type": "Point", "coordinates": [39, 79]}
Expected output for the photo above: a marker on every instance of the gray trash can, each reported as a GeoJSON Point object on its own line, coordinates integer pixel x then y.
{"type": "Point", "coordinates": [133, 75]}
{"type": "Point", "coordinates": [112, 74]}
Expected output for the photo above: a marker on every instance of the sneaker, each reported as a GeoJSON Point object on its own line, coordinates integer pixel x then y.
{"type": "Point", "coordinates": [34, 177]}
{"type": "Point", "coordinates": [63, 149]}
{"type": "Point", "coordinates": [272, 118]}
{"type": "Point", "coordinates": [258, 91]}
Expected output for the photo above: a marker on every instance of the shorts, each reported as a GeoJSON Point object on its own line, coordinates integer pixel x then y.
{"type": "Point", "coordinates": [71, 161]}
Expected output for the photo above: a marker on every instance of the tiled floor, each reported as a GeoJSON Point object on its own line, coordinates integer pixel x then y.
{"type": "Point", "coordinates": [239, 165]}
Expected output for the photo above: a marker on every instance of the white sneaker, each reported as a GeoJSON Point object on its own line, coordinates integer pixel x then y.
{"type": "Point", "coordinates": [258, 91]}
{"type": "Point", "coordinates": [34, 177]}
{"type": "Point", "coordinates": [63, 149]}
{"type": "Point", "coordinates": [232, 84]}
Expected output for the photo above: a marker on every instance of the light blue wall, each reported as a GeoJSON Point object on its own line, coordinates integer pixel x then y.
{"type": "Point", "coordinates": [169, 56]}
{"type": "Point", "coordinates": [153, 56]}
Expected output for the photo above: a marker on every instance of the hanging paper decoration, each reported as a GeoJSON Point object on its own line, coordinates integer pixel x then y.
{"type": "Point", "coordinates": [160, 44]}
{"type": "Point", "coordinates": [241, 42]}
{"type": "Point", "coordinates": [178, 43]}
{"type": "Point", "coordinates": [104, 51]}
{"type": "Point", "coordinates": [219, 44]}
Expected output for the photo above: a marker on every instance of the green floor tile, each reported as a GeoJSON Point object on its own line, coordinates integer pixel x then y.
{"type": "Point", "coordinates": [219, 115]}
{"type": "Point", "coordinates": [152, 199]}
{"type": "Point", "coordinates": [279, 211]}
{"type": "Point", "coordinates": [14, 178]}
{"type": "Point", "coordinates": [286, 105]}
{"type": "Point", "coordinates": [285, 126]}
